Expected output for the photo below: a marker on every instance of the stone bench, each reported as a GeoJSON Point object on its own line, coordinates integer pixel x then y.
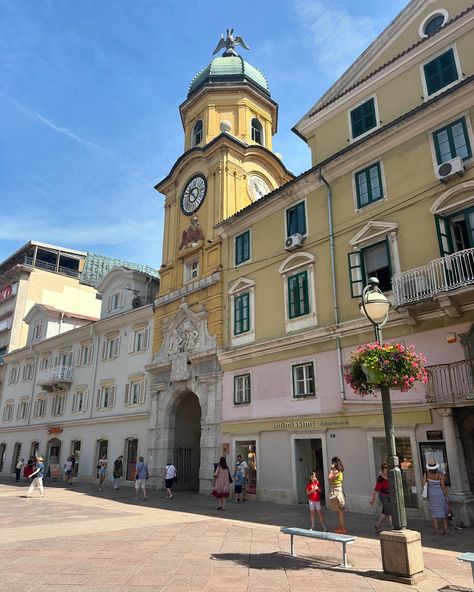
{"type": "Point", "coordinates": [468, 558]}
{"type": "Point", "coordinates": [344, 539]}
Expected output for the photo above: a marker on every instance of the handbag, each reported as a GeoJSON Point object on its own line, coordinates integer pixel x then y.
{"type": "Point", "coordinates": [450, 515]}
{"type": "Point", "coordinates": [424, 493]}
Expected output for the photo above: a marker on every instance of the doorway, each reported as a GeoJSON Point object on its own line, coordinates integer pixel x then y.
{"type": "Point", "coordinates": [3, 450]}
{"type": "Point", "coordinates": [52, 457]}
{"type": "Point", "coordinates": [16, 455]}
{"type": "Point", "coordinates": [309, 458]}
{"type": "Point", "coordinates": [102, 449]}
{"type": "Point", "coordinates": [248, 450]}
{"type": "Point", "coordinates": [76, 455]}
{"type": "Point", "coordinates": [34, 449]}
{"type": "Point", "coordinates": [131, 458]}
{"type": "Point", "coordinates": [187, 452]}
{"type": "Point", "coordinates": [465, 421]}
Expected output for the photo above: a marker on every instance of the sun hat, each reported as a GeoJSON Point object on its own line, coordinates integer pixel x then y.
{"type": "Point", "coordinates": [433, 466]}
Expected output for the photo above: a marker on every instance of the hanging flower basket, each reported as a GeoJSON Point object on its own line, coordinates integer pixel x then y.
{"type": "Point", "coordinates": [393, 364]}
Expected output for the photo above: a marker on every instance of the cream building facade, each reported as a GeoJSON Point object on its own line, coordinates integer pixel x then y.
{"type": "Point", "coordinates": [389, 195]}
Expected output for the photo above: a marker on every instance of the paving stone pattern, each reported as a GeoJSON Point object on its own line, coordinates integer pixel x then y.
{"type": "Point", "coordinates": [82, 540]}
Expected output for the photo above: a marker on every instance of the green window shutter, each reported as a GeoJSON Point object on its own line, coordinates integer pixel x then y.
{"type": "Point", "coordinates": [298, 301]}
{"type": "Point", "coordinates": [440, 72]}
{"type": "Point", "coordinates": [368, 185]}
{"type": "Point", "coordinates": [444, 236]}
{"type": "Point", "coordinates": [363, 118]}
{"type": "Point", "coordinates": [242, 247]}
{"type": "Point", "coordinates": [452, 140]}
{"type": "Point", "coordinates": [241, 313]}
{"type": "Point", "coordinates": [296, 220]}
{"type": "Point", "coordinates": [356, 273]}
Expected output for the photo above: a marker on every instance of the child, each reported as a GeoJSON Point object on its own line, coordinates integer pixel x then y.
{"type": "Point", "coordinates": [239, 483]}
{"type": "Point", "coordinates": [313, 492]}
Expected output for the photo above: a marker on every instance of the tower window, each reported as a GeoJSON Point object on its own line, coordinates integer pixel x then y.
{"type": "Point", "coordinates": [197, 132]}
{"type": "Point", "coordinates": [257, 131]}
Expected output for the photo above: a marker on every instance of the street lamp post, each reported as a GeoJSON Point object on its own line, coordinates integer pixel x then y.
{"type": "Point", "coordinates": [375, 307]}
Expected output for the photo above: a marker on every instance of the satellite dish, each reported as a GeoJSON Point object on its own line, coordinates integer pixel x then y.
{"type": "Point", "coordinates": [136, 302]}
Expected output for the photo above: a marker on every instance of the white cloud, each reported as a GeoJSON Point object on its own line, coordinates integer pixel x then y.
{"type": "Point", "coordinates": [335, 36]}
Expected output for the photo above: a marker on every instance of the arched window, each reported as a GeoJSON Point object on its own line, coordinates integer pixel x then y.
{"type": "Point", "coordinates": [197, 132]}
{"type": "Point", "coordinates": [34, 448]}
{"type": "Point", "coordinates": [131, 451]}
{"type": "Point", "coordinates": [16, 455]}
{"type": "Point", "coordinates": [257, 131]}
{"type": "Point", "coordinates": [3, 449]}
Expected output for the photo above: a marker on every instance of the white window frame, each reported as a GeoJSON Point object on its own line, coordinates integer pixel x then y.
{"type": "Point", "coordinates": [39, 407]}
{"type": "Point", "coordinates": [37, 331]}
{"type": "Point", "coordinates": [439, 11]}
{"type": "Point", "coordinates": [457, 61]}
{"type": "Point", "coordinates": [111, 347]}
{"type": "Point", "coordinates": [106, 391]}
{"type": "Point", "coordinates": [139, 340]}
{"type": "Point", "coordinates": [240, 287]}
{"type": "Point", "coordinates": [116, 300]}
{"type": "Point", "coordinates": [80, 400]}
{"type": "Point", "coordinates": [299, 364]}
{"type": "Point", "coordinates": [8, 411]}
{"type": "Point", "coordinates": [134, 392]}
{"type": "Point", "coordinates": [247, 377]}
{"type": "Point", "coordinates": [28, 370]}
{"type": "Point", "coordinates": [377, 118]}
{"type": "Point", "coordinates": [13, 375]}
{"type": "Point", "coordinates": [191, 270]}
{"type": "Point", "coordinates": [293, 264]}
{"type": "Point", "coordinates": [85, 354]}
{"type": "Point", "coordinates": [58, 405]}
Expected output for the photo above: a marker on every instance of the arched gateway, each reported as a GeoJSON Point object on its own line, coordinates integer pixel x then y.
{"type": "Point", "coordinates": [186, 390]}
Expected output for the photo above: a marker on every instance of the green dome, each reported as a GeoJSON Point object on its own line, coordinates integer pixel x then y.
{"type": "Point", "coordinates": [228, 69]}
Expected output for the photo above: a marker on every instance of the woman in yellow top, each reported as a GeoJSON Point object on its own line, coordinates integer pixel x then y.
{"type": "Point", "coordinates": [337, 501]}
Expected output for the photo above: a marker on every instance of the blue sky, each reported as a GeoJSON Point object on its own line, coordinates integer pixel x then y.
{"type": "Point", "coordinates": [89, 97]}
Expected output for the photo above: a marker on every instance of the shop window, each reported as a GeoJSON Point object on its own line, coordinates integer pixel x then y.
{"type": "Point", "coordinates": [452, 140]}
{"type": "Point", "coordinates": [440, 72]}
{"type": "Point", "coordinates": [363, 118]}
{"type": "Point", "coordinates": [242, 389]}
{"type": "Point", "coordinates": [248, 450]}
{"type": "Point", "coordinates": [76, 455]}
{"type": "Point", "coordinates": [34, 448]}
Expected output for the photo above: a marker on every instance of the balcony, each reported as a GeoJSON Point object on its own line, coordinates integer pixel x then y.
{"type": "Point", "coordinates": [451, 385]}
{"type": "Point", "coordinates": [436, 281]}
{"type": "Point", "coordinates": [58, 378]}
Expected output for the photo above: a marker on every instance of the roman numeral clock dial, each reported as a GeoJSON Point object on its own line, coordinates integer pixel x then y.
{"type": "Point", "coordinates": [193, 194]}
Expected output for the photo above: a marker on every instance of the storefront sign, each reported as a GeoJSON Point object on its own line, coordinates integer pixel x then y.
{"type": "Point", "coordinates": [434, 435]}
{"type": "Point", "coordinates": [400, 418]}
{"type": "Point", "coordinates": [8, 291]}
{"type": "Point", "coordinates": [55, 430]}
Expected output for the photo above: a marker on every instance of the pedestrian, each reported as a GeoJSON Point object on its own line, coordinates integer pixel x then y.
{"type": "Point", "coordinates": [68, 467]}
{"type": "Point", "coordinates": [37, 476]}
{"type": "Point", "coordinates": [222, 485]}
{"type": "Point", "coordinates": [19, 465]}
{"type": "Point", "coordinates": [383, 490]}
{"type": "Point", "coordinates": [117, 472]}
{"type": "Point", "coordinates": [239, 480]}
{"type": "Point", "coordinates": [337, 499]}
{"type": "Point", "coordinates": [101, 471]}
{"type": "Point", "coordinates": [437, 496]}
{"type": "Point", "coordinates": [170, 478]}
{"type": "Point", "coordinates": [244, 469]}
{"type": "Point", "coordinates": [141, 476]}
{"type": "Point", "coordinates": [313, 491]}
{"type": "Point", "coordinates": [30, 467]}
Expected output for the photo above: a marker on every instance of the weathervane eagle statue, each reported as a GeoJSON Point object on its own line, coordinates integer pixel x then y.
{"type": "Point", "coordinates": [229, 43]}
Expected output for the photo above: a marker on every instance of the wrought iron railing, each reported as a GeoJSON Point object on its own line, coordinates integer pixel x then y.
{"type": "Point", "coordinates": [58, 374]}
{"type": "Point", "coordinates": [51, 267]}
{"type": "Point", "coordinates": [450, 383]}
{"type": "Point", "coordinates": [440, 275]}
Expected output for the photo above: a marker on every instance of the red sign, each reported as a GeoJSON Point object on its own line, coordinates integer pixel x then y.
{"type": "Point", "coordinates": [55, 430]}
{"type": "Point", "coordinates": [8, 291]}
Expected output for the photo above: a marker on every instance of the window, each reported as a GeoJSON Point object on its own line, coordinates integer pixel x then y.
{"type": "Point", "coordinates": [371, 261]}
{"type": "Point", "coordinates": [44, 363]}
{"type": "Point", "coordinates": [242, 389]}
{"type": "Point", "coordinates": [433, 22]}
{"type": "Point", "coordinates": [139, 340]}
{"type": "Point", "coordinates": [368, 185]}
{"type": "Point", "coordinates": [39, 408]}
{"type": "Point", "coordinates": [241, 313]}
{"type": "Point", "coordinates": [8, 412]}
{"type": "Point", "coordinates": [296, 219]}
{"type": "Point", "coordinates": [135, 392]}
{"type": "Point", "coordinates": [116, 300]}
{"type": "Point", "coordinates": [3, 351]}
{"type": "Point", "coordinates": [363, 118]}
{"type": "Point", "coordinates": [37, 331]}
{"type": "Point", "coordinates": [58, 404]}
{"type": "Point", "coordinates": [28, 370]}
{"type": "Point", "coordinates": [111, 347]}
{"type": "Point", "coordinates": [440, 72]}
{"type": "Point", "coordinates": [197, 133]}
{"type": "Point", "coordinates": [191, 270]}
{"type": "Point", "coordinates": [257, 131]}
{"type": "Point", "coordinates": [298, 301]}
{"type": "Point", "coordinates": [303, 380]}
{"type": "Point", "coordinates": [455, 232]}
{"type": "Point", "coordinates": [106, 397]}
{"type": "Point", "coordinates": [451, 141]}
{"type": "Point", "coordinates": [79, 400]}
{"type": "Point", "coordinates": [13, 375]}
{"type": "Point", "coordinates": [22, 411]}
{"type": "Point", "coordinates": [85, 353]}
{"type": "Point", "coordinates": [242, 247]}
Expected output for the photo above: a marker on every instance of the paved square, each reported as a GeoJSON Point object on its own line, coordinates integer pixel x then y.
{"type": "Point", "coordinates": [82, 540]}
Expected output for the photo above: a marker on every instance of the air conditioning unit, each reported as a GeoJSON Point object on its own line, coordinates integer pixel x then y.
{"type": "Point", "coordinates": [294, 241]}
{"type": "Point", "coordinates": [452, 167]}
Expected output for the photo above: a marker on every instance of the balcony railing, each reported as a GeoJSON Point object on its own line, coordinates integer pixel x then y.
{"type": "Point", "coordinates": [60, 374]}
{"type": "Point", "coordinates": [51, 267]}
{"type": "Point", "coordinates": [450, 384]}
{"type": "Point", "coordinates": [440, 275]}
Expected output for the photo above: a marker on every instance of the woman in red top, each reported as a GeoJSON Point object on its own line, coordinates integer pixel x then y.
{"type": "Point", "coordinates": [313, 491]}
{"type": "Point", "coordinates": [382, 488]}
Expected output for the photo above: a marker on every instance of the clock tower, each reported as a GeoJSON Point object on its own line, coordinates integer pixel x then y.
{"type": "Point", "coordinates": [229, 120]}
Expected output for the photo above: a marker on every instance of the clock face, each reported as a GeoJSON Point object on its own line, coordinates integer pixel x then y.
{"type": "Point", "coordinates": [257, 187]}
{"type": "Point", "coordinates": [193, 194]}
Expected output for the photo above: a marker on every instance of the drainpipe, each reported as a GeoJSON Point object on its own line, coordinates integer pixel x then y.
{"type": "Point", "coordinates": [61, 316]}
{"type": "Point", "coordinates": [334, 290]}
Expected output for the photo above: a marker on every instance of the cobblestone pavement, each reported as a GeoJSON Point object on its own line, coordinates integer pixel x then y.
{"type": "Point", "coordinates": [82, 540]}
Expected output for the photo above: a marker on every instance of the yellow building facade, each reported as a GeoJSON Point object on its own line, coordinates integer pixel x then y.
{"type": "Point", "coordinates": [389, 195]}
